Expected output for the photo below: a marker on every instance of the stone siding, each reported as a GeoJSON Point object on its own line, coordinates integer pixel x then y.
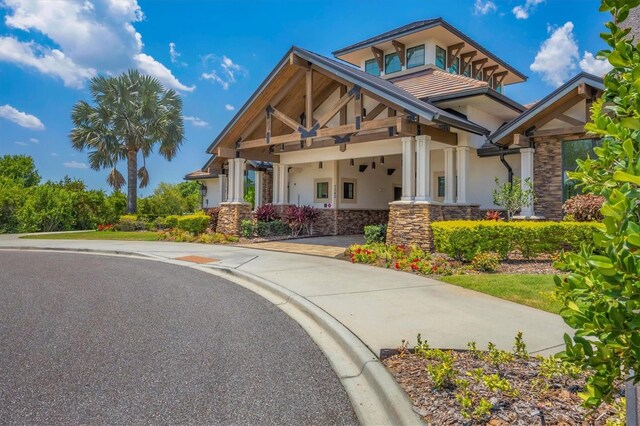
{"type": "Point", "coordinates": [267, 187]}
{"type": "Point", "coordinates": [350, 222]}
{"type": "Point", "coordinates": [410, 223]}
{"type": "Point", "coordinates": [326, 222]}
{"type": "Point", "coordinates": [230, 216]}
{"type": "Point", "coordinates": [547, 176]}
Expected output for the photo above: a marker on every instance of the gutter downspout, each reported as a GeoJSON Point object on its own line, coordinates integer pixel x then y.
{"type": "Point", "coordinates": [504, 162]}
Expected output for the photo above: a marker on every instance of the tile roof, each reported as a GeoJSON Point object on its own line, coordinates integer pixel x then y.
{"type": "Point", "coordinates": [436, 82]}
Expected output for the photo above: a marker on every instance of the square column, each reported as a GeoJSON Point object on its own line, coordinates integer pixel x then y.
{"type": "Point", "coordinates": [463, 163]}
{"type": "Point", "coordinates": [423, 168]}
{"type": "Point", "coordinates": [231, 189]}
{"type": "Point", "coordinates": [236, 180]}
{"type": "Point", "coordinates": [276, 183]}
{"type": "Point", "coordinates": [223, 188]}
{"type": "Point", "coordinates": [284, 184]}
{"type": "Point", "coordinates": [258, 188]}
{"type": "Point", "coordinates": [408, 168]}
{"type": "Point", "coordinates": [449, 176]}
{"type": "Point", "coordinates": [526, 172]}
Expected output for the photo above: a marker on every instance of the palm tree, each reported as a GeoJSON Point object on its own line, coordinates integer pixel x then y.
{"type": "Point", "coordinates": [132, 114]}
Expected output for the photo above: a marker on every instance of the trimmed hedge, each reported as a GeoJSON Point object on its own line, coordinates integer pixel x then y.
{"type": "Point", "coordinates": [375, 234]}
{"type": "Point", "coordinates": [463, 239]}
{"type": "Point", "coordinates": [194, 223]}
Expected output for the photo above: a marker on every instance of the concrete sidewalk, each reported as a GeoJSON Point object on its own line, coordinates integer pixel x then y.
{"type": "Point", "coordinates": [380, 306]}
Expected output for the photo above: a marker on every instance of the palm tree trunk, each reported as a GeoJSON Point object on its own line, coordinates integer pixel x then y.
{"type": "Point", "coordinates": [132, 181]}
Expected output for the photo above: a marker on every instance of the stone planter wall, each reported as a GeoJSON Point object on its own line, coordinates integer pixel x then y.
{"type": "Point", "coordinates": [410, 223]}
{"type": "Point", "coordinates": [351, 222]}
{"type": "Point", "coordinates": [230, 216]}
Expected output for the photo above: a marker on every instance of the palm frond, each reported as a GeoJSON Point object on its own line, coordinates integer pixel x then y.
{"type": "Point", "coordinates": [143, 176]}
{"type": "Point", "coordinates": [115, 179]}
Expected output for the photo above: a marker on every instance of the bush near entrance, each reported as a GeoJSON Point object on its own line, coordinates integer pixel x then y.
{"type": "Point", "coordinates": [464, 239]}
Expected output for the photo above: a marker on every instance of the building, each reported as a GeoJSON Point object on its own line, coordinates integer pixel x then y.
{"type": "Point", "coordinates": [407, 127]}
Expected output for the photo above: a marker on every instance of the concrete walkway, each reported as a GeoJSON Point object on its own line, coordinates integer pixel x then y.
{"type": "Point", "coordinates": [380, 306]}
{"type": "Point", "coordinates": [316, 246]}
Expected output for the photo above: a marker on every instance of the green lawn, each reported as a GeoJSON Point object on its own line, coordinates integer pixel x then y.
{"type": "Point", "coordinates": [536, 291]}
{"type": "Point", "coordinates": [99, 235]}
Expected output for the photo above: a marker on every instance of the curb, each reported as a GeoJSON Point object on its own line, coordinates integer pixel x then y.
{"type": "Point", "coordinates": [375, 395]}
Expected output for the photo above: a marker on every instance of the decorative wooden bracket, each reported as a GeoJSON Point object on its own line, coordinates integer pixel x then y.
{"type": "Point", "coordinates": [465, 60]}
{"type": "Point", "coordinates": [498, 78]}
{"type": "Point", "coordinates": [378, 54]}
{"type": "Point", "coordinates": [489, 71]}
{"type": "Point", "coordinates": [476, 67]}
{"type": "Point", "coordinates": [374, 112]}
{"type": "Point", "coordinates": [453, 52]}
{"type": "Point", "coordinates": [400, 50]}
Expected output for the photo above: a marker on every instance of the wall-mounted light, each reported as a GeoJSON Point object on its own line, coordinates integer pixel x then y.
{"type": "Point", "coordinates": [352, 163]}
{"type": "Point", "coordinates": [382, 159]}
{"type": "Point", "coordinates": [373, 164]}
{"type": "Point", "coordinates": [203, 190]}
{"type": "Point", "coordinates": [320, 165]}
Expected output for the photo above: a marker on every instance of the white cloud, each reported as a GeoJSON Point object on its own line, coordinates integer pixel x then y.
{"type": "Point", "coordinates": [21, 118]}
{"type": "Point", "coordinates": [75, 165]}
{"type": "Point", "coordinates": [557, 56]}
{"type": "Point", "coordinates": [482, 7]}
{"type": "Point", "coordinates": [196, 121]}
{"type": "Point", "coordinates": [89, 36]}
{"type": "Point", "coordinates": [229, 107]}
{"type": "Point", "coordinates": [48, 61]}
{"type": "Point", "coordinates": [34, 140]}
{"type": "Point", "coordinates": [150, 66]}
{"type": "Point", "coordinates": [21, 143]}
{"type": "Point", "coordinates": [225, 70]}
{"type": "Point", "coordinates": [175, 55]}
{"type": "Point", "coordinates": [523, 11]}
{"type": "Point", "coordinates": [593, 65]}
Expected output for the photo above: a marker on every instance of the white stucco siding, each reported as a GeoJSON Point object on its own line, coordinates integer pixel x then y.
{"type": "Point", "coordinates": [302, 180]}
{"type": "Point", "coordinates": [578, 111]}
{"type": "Point", "coordinates": [483, 118]}
{"type": "Point", "coordinates": [212, 199]}
{"type": "Point", "coordinates": [481, 177]}
{"type": "Point", "coordinates": [374, 187]}
{"type": "Point", "coordinates": [358, 150]}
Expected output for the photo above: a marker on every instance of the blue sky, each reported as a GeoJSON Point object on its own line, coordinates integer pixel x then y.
{"type": "Point", "coordinates": [215, 53]}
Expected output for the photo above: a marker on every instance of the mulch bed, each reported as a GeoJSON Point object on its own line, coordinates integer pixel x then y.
{"type": "Point", "coordinates": [557, 405]}
{"type": "Point", "coordinates": [521, 266]}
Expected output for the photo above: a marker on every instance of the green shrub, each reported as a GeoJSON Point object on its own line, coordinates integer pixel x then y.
{"type": "Point", "coordinates": [486, 262]}
{"type": "Point", "coordinates": [274, 228]}
{"type": "Point", "coordinates": [130, 222]}
{"type": "Point", "coordinates": [375, 234]}
{"type": "Point", "coordinates": [464, 239]}
{"type": "Point", "coordinates": [166, 222]}
{"type": "Point", "coordinates": [193, 223]}
{"type": "Point", "coordinates": [248, 228]}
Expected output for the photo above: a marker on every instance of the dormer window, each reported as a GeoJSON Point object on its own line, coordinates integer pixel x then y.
{"type": "Point", "coordinates": [415, 56]}
{"type": "Point", "coordinates": [371, 67]}
{"type": "Point", "coordinates": [392, 63]}
{"type": "Point", "coordinates": [441, 58]}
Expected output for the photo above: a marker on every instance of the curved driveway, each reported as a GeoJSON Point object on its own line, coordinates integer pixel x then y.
{"type": "Point", "coordinates": [99, 339]}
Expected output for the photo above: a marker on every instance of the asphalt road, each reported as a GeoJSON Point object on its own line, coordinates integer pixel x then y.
{"type": "Point", "coordinates": [99, 339]}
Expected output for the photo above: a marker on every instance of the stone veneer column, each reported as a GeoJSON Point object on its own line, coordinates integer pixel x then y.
{"type": "Point", "coordinates": [423, 168]}
{"type": "Point", "coordinates": [258, 188]}
{"type": "Point", "coordinates": [408, 168]}
{"type": "Point", "coordinates": [463, 163]}
{"type": "Point", "coordinates": [526, 172]}
{"type": "Point", "coordinates": [449, 176]}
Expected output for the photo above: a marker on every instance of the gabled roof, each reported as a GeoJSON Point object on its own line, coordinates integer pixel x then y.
{"type": "Point", "coordinates": [545, 103]}
{"type": "Point", "coordinates": [371, 83]}
{"type": "Point", "coordinates": [414, 27]}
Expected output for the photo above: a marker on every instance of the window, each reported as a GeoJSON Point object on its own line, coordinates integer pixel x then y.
{"type": "Point", "coordinates": [322, 191]}
{"type": "Point", "coordinates": [455, 66]}
{"type": "Point", "coordinates": [371, 67]}
{"type": "Point", "coordinates": [441, 186]}
{"type": "Point", "coordinates": [467, 71]}
{"type": "Point", "coordinates": [415, 56]}
{"type": "Point", "coordinates": [571, 152]}
{"type": "Point", "coordinates": [392, 63]}
{"type": "Point", "coordinates": [441, 57]}
{"type": "Point", "coordinates": [348, 190]}
{"type": "Point", "coordinates": [499, 88]}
